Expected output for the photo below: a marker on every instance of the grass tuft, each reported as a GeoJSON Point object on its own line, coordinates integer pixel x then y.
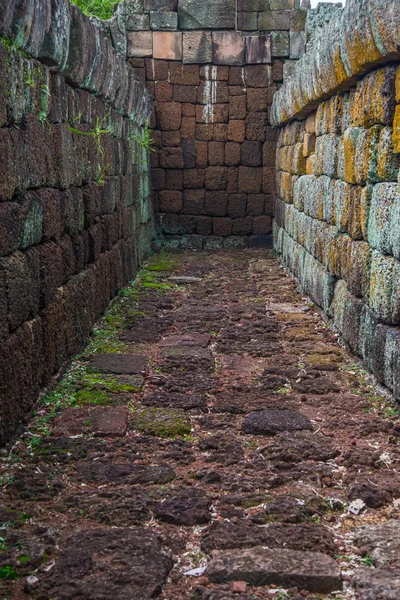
{"type": "Point", "coordinates": [103, 9]}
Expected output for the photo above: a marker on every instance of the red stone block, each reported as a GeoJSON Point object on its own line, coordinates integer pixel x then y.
{"type": "Point", "coordinates": [185, 93]}
{"type": "Point", "coordinates": [237, 107]}
{"type": "Point", "coordinates": [251, 154]}
{"type": "Point", "coordinates": [255, 204]}
{"type": "Point", "coordinates": [170, 201]}
{"type": "Point", "coordinates": [277, 70]}
{"type": "Point", "coordinates": [188, 129]}
{"type": "Point", "coordinates": [232, 154]}
{"type": "Point", "coordinates": [237, 77]}
{"type": "Point", "coordinates": [193, 178]}
{"type": "Point", "coordinates": [216, 204]}
{"type": "Point", "coordinates": [257, 100]}
{"type": "Point", "coordinates": [201, 154]}
{"type": "Point", "coordinates": [236, 131]}
{"type": "Point", "coordinates": [220, 132]}
{"type": "Point", "coordinates": [269, 154]}
{"type": "Point", "coordinates": [174, 179]}
{"type": "Point", "coordinates": [171, 138]}
{"type": "Point", "coordinates": [193, 202]}
{"type": "Point", "coordinates": [140, 43]}
{"type": "Point", "coordinates": [189, 153]}
{"type": "Point", "coordinates": [262, 225]}
{"type": "Point", "coordinates": [242, 226]}
{"type": "Point", "coordinates": [237, 205]}
{"type": "Point", "coordinates": [258, 76]}
{"type": "Point", "coordinates": [269, 180]}
{"type": "Point", "coordinates": [156, 70]}
{"type": "Point", "coordinates": [233, 180]}
{"type": "Point", "coordinates": [212, 92]}
{"type": "Point", "coordinates": [184, 74]}
{"type": "Point", "coordinates": [214, 73]}
{"type": "Point", "coordinates": [171, 158]}
{"type": "Point", "coordinates": [187, 224]}
{"type": "Point", "coordinates": [216, 178]}
{"type": "Point", "coordinates": [216, 153]}
{"type": "Point", "coordinates": [215, 113]}
{"type": "Point", "coordinates": [222, 226]}
{"type": "Point", "coordinates": [255, 126]}
{"type": "Point", "coordinates": [164, 92]}
{"type": "Point", "coordinates": [204, 132]}
{"type": "Point", "coordinates": [168, 45]}
{"type": "Point", "coordinates": [250, 179]}
{"type": "Point", "coordinates": [169, 116]}
{"type": "Point", "coordinates": [188, 110]}
{"type": "Point", "coordinates": [204, 225]}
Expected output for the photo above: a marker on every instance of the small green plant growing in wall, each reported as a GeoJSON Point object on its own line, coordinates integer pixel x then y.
{"type": "Point", "coordinates": [97, 132]}
{"type": "Point", "coordinates": [103, 9]}
{"type": "Point", "coordinates": [142, 143]}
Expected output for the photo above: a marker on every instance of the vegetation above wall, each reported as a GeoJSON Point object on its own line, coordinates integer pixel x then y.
{"type": "Point", "coordinates": [103, 9]}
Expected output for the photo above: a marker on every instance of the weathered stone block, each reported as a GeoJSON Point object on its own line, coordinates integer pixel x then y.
{"type": "Point", "coordinates": [228, 48]}
{"type": "Point", "coordinates": [170, 201]}
{"type": "Point", "coordinates": [274, 20]}
{"type": "Point", "coordinates": [167, 45]}
{"type": "Point", "coordinates": [140, 43]}
{"type": "Point", "coordinates": [280, 44]}
{"type": "Point", "coordinates": [297, 44]}
{"type": "Point", "coordinates": [196, 14]}
{"type": "Point", "coordinates": [164, 20]}
{"type": "Point", "coordinates": [197, 47]}
{"type": "Point", "coordinates": [258, 49]}
{"type": "Point", "coordinates": [216, 203]}
{"type": "Point", "coordinates": [138, 22]}
{"type": "Point", "coordinates": [247, 21]}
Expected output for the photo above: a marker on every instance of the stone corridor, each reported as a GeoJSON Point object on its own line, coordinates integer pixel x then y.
{"type": "Point", "coordinates": [213, 442]}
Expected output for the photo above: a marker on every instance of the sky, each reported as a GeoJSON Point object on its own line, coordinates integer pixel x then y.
{"type": "Point", "coordinates": [315, 2]}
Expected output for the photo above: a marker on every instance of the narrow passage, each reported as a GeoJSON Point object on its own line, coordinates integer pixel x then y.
{"type": "Point", "coordinates": [213, 442]}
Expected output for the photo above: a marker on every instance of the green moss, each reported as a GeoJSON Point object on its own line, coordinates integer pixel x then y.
{"type": "Point", "coordinates": [94, 397]}
{"type": "Point", "coordinates": [162, 423]}
{"type": "Point", "coordinates": [24, 560]}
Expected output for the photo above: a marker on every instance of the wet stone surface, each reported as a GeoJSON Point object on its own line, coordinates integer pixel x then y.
{"type": "Point", "coordinates": [214, 442]}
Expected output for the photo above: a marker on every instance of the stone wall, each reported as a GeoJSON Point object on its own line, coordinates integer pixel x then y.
{"type": "Point", "coordinates": [338, 208]}
{"type": "Point", "coordinates": [213, 71]}
{"type": "Point", "coordinates": [76, 214]}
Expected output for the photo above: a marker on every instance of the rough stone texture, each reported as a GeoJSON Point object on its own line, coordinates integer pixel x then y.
{"type": "Point", "coordinates": [119, 364]}
{"type": "Point", "coordinates": [126, 563]}
{"type": "Point", "coordinates": [270, 422]}
{"type": "Point", "coordinates": [194, 14]}
{"type": "Point", "coordinates": [382, 542]}
{"type": "Point", "coordinates": [258, 566]}
{"type": "Point", "coordinates": [75, 205]}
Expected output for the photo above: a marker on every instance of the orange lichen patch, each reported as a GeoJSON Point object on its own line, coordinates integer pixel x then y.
{"type": "Point", "coordinates": [350, 138]}
{"type": "Point", "coordinates": [361, 48]}
{"type": "Point", "coordinates": [338, 66]}
{"type": "Point", "coordinates": [310, 123]}
{"type": "Point", "coordinates": [286, 187]}
{"type": "Point", "coordinates": [308, 144]}
{"type": "Point", "coordinates": [366, 160]}
{"type": "Point", "coordinates": [299, 163]}
{"type": "Point", "coordinates": [396, 130]}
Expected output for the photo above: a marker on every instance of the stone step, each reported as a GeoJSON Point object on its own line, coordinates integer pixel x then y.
{"type": "Point", "coordinates": [313, 571]}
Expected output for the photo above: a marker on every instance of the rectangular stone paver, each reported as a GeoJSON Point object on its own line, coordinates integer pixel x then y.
{"type": "Point", "coordinates": [119, 364]}
{"type": "Point", "coordinates": [313, 571]}
{"type": "Point", "coordinates": [201, 340]}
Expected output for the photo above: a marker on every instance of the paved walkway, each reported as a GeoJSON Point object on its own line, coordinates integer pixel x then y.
{"type": "Point", "coordinates": [213, 442]}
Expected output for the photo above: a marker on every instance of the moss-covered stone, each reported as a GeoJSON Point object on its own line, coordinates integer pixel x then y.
{"type": "Point", "coordinates": [162, 423]}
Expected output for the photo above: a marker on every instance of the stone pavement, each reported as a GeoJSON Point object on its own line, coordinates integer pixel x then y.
{"type": "Point", "coordinates": [213, 442]}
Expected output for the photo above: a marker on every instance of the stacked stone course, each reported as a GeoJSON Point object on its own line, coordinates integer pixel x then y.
{"type": "Point", "coordinates": [76, 214]}
{"type": "Point", "coordinates": [338, 208]}
{"type": "Point", "coordinates": [212, 68]}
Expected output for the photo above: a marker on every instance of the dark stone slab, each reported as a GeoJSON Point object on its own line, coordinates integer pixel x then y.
{"type": "Point", "coordinates": [199, 340]}
{"type": "Point", "coordinates": [100, 422]}
{"type": "Point", "coordinates": [119, 364]}
{"type": "Point", "coordinates": [125, 473]}
{"type": "Point", "coordinates": [296, 447]}
{"type": "Point", "coordinates": [188, 510]}
{"type": "Point", "coordinates": [123, 564]}
{"type": "Point", "coordinates": [258, 566]}
{"type": "Point", "coordinates": [270, 422]}
{"type": "Point", "coordinates": [222, 535]}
